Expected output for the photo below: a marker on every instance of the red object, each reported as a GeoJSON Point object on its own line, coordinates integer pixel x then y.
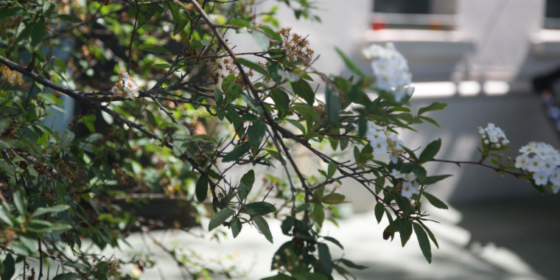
{"type": "Point", "coordinates": [378, 25]}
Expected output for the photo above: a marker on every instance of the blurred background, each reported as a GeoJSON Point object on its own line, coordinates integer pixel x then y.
{"type": "Point", "coordinates": [479, 57]}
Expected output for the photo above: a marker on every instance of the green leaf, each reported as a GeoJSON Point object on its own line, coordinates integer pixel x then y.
{"type": "Point", "coordinates": [246, 184]}
{"type": "Point", "coordinates": [202, 187]}
{"type": "Point", "coordinates": [256, 133]}
{"type": "Point", "coordinates": [405, 230]}
{"type": "Point", "coordinates": [240, 23]}
{"type": "Point", "coordinates": [8, 267]}
{"type": "Point", "coordinates": [430, 234]}
{"type": "Point", "coordinates": [333, 105]}
{"type": "Point", "coordinates": [332, 168]}
{"type": "Point", "coordinates": [60, 64]}
{"type": "Point", "coordinates": [66, 139]}
{"type": "Point", "coordinates": [278, 277]}
{"type": "Point", "coordinates": [151, 118]}
{"type": "Point", "coordinates": [273, 68]}
{"type": "Point", "coordinates": [325, 258]}
{"type": "Point", "coordinates": [162, 66]}
{"type": "Point", "coordinates": [298, 125]}
{"type": "Point", "coordinates": [237, 152]}
{"type": "Point", "coordinates": [39, 226]}
{"type": "Point", "coordinates": [303, 207]}
{"type": "Point", "coordinates": [8, 12]}
{"type": "Point", "coordinates": [180, 25]}
{"type": "Point", "coordinates": [69, 18]}
{"type": "Point", "coordinates": [252, 65]}
{"type": "Point", "coordinates": [430, 120]}
{"type": "Point", "coordinates": [336, 242]}
{"type": "Point", "coordinates": [5, 215]}
{"type": "Point", "coordinates": [218, 97]}
{"type": "Point", "coordinates": [271, 33]}
{"type": "Point", "coordinates": [67, 276]}
{"type": "Point", "coordinates": [236, 226]}
{"type": "Point", "coordinates": [263, 227]}
{"type": "Point", "coordinates": [433, 107]}
{"type": "Point", "coordinates": [434, 179]}
{"type": "Point", "coordinates": [430, 151]}
{"type": "Point", "coordinates": [303, 89]}
{"type": "Point", "coordinates": [220, 218]}
{"type": "Point", "coordinates": [379, 210]}
{"type": "Point", "coordinates": [235, 118]}
{"type": "Point", "coordinates": [262, 40]}
{"type": "Point", "coordinates": [281, 99]}
{"type": "Point", "coordinates": [154, 49]}
{"type": "Point", "coordinates": [20, 202]}
{"type": "Point", "coordinates": [38, 32]}
{"type": "Point", "coordinates": [55, 209]}
{"type": "Point", "coordinates": [420, 172]}
{"type": "Point", "coordinates": [309, 276]}
{"type": "Point", "coordinates": [318, 214]}
{"type": "Point", "coordinates": [259, 208]}
{"type": "Point", "coordinates": [29, 243]}
{"type": "Point", "coordinates": [424, 242]}
{"type": "Point", "coordinates": [350, 64]}
{"type": "Point", "coordinates": [435, 201]}
{"type": "Point", "coordinates": [334, 198]}
{"type": "Point", "coordinates": [351, 264]}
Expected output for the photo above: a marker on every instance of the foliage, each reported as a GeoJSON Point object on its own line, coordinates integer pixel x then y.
{"type": "Point", "coordinates": [201, 111]}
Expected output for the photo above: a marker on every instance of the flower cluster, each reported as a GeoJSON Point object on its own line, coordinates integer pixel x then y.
{"type": "Point", "coordinates": [543, 161]}
{"type": "Point", "coordinates": [410, 185]}
{"type": "Point", "coordinates": [493, 136]}
{"type": "Point", "coordinates": [390, 69]}
{"type": "Point", "coordinates": [384, 141]}
{"type": "Point", "coordinates": [126, 86]}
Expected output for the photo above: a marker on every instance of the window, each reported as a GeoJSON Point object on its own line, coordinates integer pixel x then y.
{"type": "Point", "coordinates": [552, 14]}
{"type": "Point", "coordinates": [414, 14]}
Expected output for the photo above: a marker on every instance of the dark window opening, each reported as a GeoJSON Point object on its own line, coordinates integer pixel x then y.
{"type": "Point", "coordinates": [552, 14]}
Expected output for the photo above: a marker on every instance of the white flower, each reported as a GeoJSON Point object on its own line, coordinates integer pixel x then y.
{"type": "Point", "coordinates": [555, 188]}
{"type": "Point", "coordinates": [384, 141]}
{"type": "Point", "coordinates": [541, 179]}
{"type": "Point", "coordinates": [396, 174]}
{"type": "Point", "coordinates": [409, 188]}
{"type": "Point", "coordinates": [522, 161]}
{"type": "Point", "coordinates": [379, 147]}
{"type": "Point", "coordinates": [493, 135]}
{"type": "Point", "coordinates": [409, 177]}
{"type": "Point", "coordinates": [555, 177]}
{"type": "Point", "coordinates": [390, 69]}
{"type": "Point", "coordinates": [548, 167]}
{"type": "Point", "coordinates": [535, 164]}
{"type": "Point", "coordinates": [126, 87]}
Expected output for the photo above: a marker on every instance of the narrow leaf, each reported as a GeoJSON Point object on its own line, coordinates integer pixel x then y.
{"type": "Point", "coordinates": [350, 64]}
{"type": "Point", "coordinates": [246, 184]}
{"type": "Point", "coordinates": [303, 89]}
{"type": "Point", "coordinates": [259, 208]}
{"type": "Point", "coordinates": [41, 210]}
{"type": "Point", "coordinates": [252, 65]}
{"type": "Point", "coordinates": [430, 151]}
{"type": "Point", "coordinates": [325, 258]}
{"type": "Point", "coordinates": [154, 49]}
{"type": "Point", "coordinates": [433, 107]}
{"type": "Point", "coordinates": [263, 227]}
{"type": "Point", "coordinates": [435, 201]}
{"type": "Point", "coordinates": [236, 226]}
{"type": "Point", "coordinates": [202, 187]}
{"type": "Point", "coordinates": [220, 218]}
{"type": "Point", "coordinates": [424, 242]}
{"type": "Point", "coordinates": [38, 32]}
{"type": "Point", "coordinates": [237, 152]}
